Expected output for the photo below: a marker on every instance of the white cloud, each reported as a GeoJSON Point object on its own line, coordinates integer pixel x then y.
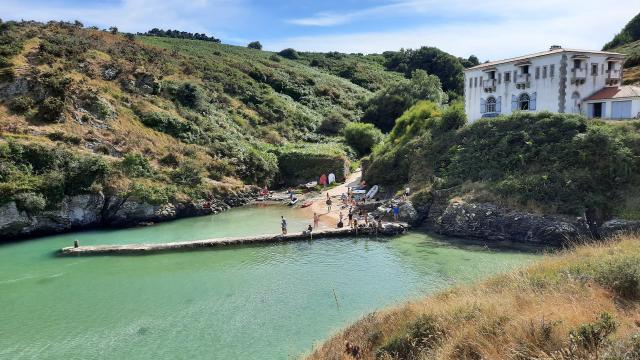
{"type": "Point", "coordinates": [490, 29]}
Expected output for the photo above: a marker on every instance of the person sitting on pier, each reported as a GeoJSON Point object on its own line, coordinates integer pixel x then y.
{"type": "Point", "coordinates": [284, 225]}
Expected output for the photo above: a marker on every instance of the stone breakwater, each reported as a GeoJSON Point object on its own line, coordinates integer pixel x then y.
{"type": "Point", "coordinates": [389, 229]}
{"type": "Point", "coordinates": [98, 210]}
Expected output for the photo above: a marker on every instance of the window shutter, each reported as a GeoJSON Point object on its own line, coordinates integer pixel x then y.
{"type": "Point", "coordinates": [514, 103]}
{"type": "Point", "coordinates": [604, 110]}
{"type": "Point", "coordinates": [532, 101]}
{"type": "Point", "coordinates": [483, 106]}
{"type": "Point", "coordinates": [499, 105]}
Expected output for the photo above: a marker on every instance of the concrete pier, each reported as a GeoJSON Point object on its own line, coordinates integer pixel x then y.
{"type": "Point", "coordinates": [389, 229]}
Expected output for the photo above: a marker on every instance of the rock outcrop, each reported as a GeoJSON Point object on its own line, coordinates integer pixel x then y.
{"type": "Point", "coordinates": [96, 210]}
{"type": "Point", "coordinates": [491, 222]}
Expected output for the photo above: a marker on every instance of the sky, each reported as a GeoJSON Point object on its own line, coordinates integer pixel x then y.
{"type": "Point", "coordinates": [489, 29]}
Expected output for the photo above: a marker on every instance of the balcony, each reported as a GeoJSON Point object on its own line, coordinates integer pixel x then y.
{"type": "Point", "coordinates": [578, 75]}
{"type": "Point", "coordinates": [489, 85]}
{"type": "Point", "coordinates": [522, 81]}
{"type": "Point", "coordinates": [613, 74]}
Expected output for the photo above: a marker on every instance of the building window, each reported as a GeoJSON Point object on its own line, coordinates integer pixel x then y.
{"type": "Point", "coordinates": [525, 69]}
{"type": "Point", "coordinates": [507, 76]}
{"type": "Point", "coordinates": [470, 83]}
{"type": "Point", "coordinates": [544, 72]}
{"type": "Point", "coordinates": [577, 63]}
{"type": "Point", "coordinates": [552, 71]}
{"type": "Point", "coordinates": [594, 69]}
{"type": "Point", "coordinates": [475, 82]}
{"type": "Point", "coordinates": [523, 101]}
{"type": "Point", "coordinates": [499, 78]}
{"type": "Point", "coordinates": [537, 72]}
{"type": "Point", "coordinates": [491, 105]}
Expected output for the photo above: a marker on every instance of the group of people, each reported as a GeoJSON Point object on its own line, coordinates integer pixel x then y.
{"type": "Point", "coordinates": [361, 219]}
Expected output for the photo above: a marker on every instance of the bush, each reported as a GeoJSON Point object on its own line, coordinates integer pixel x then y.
{"type": "Point", "coordinates": [189, 173]}
{"type": "Point", "coordinates": [136, 165]}
{"type": "Point", "coordinates": [255, 45]}
{"type": "Point", "coordinates": [591, 337]}
{"type": "Point", "coordinates": [333, 124]}
{"type": "Point", "coordinates": [190, 95]}
{"type": "Point", "coordinates": [21, 104]}
{"type": "Point", "coordinates": [32, 203]}
{"type": "Point", "coordinates": [362, 137]}
{"type": "Point", "coordinates": [51, 109]}
{"type": "Point", "coordinates": [421, 335]}
{"type": "Point", "coordinates": [289, 53]}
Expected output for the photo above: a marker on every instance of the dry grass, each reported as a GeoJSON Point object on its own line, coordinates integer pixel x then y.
{"type": "Point", "coordinates": [525, 314]}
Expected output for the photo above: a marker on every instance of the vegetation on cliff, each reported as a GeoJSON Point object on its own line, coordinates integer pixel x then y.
{"type": "Point", "coordinates": [627, 41]}
{"type": "Point", "coordinates": [551, 162]}
{"type": "Point", "coordinates": [580, 304]}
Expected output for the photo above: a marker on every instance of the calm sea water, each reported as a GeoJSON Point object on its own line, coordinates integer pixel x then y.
{"type": "Point", "coordinates": [259, 302]}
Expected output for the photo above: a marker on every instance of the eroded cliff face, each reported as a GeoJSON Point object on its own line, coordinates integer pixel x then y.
{"type": "Point", "coordinates": [96, 210]}
{"type": "Point", "coordinates": [487, 221]}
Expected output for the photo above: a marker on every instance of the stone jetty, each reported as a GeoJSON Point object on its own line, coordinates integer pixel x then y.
{"type": "Point", "coordinates": [388, 229]}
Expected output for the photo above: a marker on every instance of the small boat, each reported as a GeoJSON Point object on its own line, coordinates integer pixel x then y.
{"type": "Point", "coordinates": [293, 201]}
{"type": "Point", "coordinates": [311, 184]}
{"type": "Point", "coordinates": [306, 204]}
{"type": "Point", "coordinates": [372, 192]}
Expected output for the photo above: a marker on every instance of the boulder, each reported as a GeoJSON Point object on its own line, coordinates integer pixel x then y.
{"type": "Point", "coordinates": [619, 226]}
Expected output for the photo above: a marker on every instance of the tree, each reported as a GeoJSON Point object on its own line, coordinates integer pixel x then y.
{"type": "Point", "coordinates": [113, 30]}
{"type": "Point", "coordinates": [362, 137]}
{"type": "Point", "coordinates": [388, 104]}
{"type": "Point", "coordinates": [255, 45]}
{"type": "Point", "coordinates": [470, 62]}
{"type": "Point", "coordinates": [432, 60]}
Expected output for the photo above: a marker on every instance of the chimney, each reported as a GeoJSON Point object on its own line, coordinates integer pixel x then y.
{"type": "Point", "coordinates": [555, 47]}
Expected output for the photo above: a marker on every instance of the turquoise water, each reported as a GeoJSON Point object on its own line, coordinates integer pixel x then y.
{"type": "Point", "coordinates": [258, 302]}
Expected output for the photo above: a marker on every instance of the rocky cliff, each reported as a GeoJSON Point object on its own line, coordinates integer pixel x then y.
{"type": "Point", "coordinates": [97, 210]}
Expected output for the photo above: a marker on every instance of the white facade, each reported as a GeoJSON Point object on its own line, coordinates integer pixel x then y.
{"type": "Point", "coordinates": [557, 80]}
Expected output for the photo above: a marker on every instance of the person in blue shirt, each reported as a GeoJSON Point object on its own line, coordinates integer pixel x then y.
{"type": "Point", "coordinates": [396, 212]}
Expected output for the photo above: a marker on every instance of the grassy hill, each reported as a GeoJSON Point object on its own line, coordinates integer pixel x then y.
{"type": "Point", "coordinates": [632, 64]}
{"type": "Point", "coordinates": [164, 118]}
{"type": "Point", "coordinates": [579, 304]}
{"type": "Point", "coordinates": [627, 41]}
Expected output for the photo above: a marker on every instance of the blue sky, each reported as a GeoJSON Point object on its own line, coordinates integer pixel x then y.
{"type": "Point", "coordinates": [490, 29]}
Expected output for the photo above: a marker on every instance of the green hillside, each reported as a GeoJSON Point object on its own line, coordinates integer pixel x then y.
{"type": "Point", "coordinates": [627, 42]}
{"type": "Point", "coordinates": [164, 118]}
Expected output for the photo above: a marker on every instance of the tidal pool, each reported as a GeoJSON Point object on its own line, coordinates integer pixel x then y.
{"type": "Point", "coordinates": [255, 302]}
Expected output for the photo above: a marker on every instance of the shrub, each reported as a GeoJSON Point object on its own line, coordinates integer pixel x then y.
{"type": "Point", "coordinates": [255, 45]}
{"type": "Point", "coordinates": [30, 202]}
{"type": "Point", "coordinates": [21, 104]}
{"type": "Point", "coordinates": [289, 53]}
{"type": "Point", "coordinates": [188, 173]}
{"type": "Point", "coordinates": [51, 109]}
{"type": "Point", "coordinates": [362, 137]}
{"type": "Point", "coordinates": [592, 336]}
{"type": "Point", "coordinates": [136, 165]}
{"type": "Point", "coordinates": [190, 95]}
{"type": "Point", "coordinates": [333, 124]}
{"type": "Point", "coordinates": [302, 163]}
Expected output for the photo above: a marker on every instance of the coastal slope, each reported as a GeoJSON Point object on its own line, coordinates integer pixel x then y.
{"type": "Point", "coordinates": [578, 304]}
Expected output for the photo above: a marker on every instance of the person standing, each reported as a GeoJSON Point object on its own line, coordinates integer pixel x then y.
{"type": "Point", "coordinates": [284, 225]}
{"type": "Point", "coordinates": [328, 203]}
{"type": "Point", "coordinates": [316, 220]}
{"type": "Point", "coordinates": [396, 212]}
{"type": "Point", "coordinates": [350, 216]}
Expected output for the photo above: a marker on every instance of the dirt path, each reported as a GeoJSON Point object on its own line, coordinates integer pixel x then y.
{"type": "Point", "coordinates": [330, 219]}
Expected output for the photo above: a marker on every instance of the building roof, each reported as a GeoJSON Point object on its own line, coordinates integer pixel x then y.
{"type": "Point", "coordinates": [615, 92]}
{"type": "Point", "coordinates": [544, 53]}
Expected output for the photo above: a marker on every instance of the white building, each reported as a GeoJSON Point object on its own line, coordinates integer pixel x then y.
{"type": "Point", "coordinates": [558, 80]}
